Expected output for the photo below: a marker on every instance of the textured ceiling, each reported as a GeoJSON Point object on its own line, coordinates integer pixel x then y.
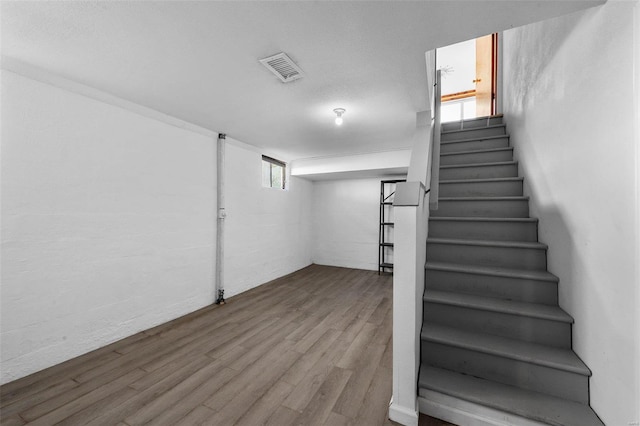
{"type": "Point", "coordinates": [198, 61]}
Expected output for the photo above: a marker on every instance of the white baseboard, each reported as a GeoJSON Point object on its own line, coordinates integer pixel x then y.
{"type": "Point", "coordinates": [465, 413]}
{"type": "Point", "coordinates": [403, 415]}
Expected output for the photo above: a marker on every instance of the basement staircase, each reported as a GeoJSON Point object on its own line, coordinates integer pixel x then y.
{"type": "Point", "coordinates": [493, 333]}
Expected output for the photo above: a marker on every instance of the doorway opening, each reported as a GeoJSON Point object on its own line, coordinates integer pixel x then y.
{"type": "Point", "coordinates": [469, 78]}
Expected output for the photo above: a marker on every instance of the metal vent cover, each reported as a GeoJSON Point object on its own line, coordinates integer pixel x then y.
{"type": "Point", "coordinates": [283, 67]}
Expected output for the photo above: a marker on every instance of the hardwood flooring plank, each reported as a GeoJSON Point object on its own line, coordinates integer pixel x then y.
{"type": "Point", "coordinates": [177, 354]}
{"type": "Point", "coordinates": [374, 408]}
{"type": "Point", "coordinates": [89, 413]}
{"type": "Point", "coordinates": [37, 398]}
{"type": "Point", "coordinates": [351, 398]}
{"type": "Point", "coordinates": [148, 395]}
{"type": "Point", "coordinates": [181, 408]}
{"type": "Point", "coordinates": [297, 372]}
{"type": "Point", "coordinates": [183, 366]}
{"type": "Point", "coordinates": [305, 326]}
{"type": "Point", "coordinates": [383, 335]}
{"type": "Point", "coordinates": [238, 338]}
{"type": "Point", "coordinates": [380, 312]}
{"type": "Point", "coordinates": [14, 420]}
{"type": "Point", "coordinates": [180, 391]}
{"type": "Point", "coordinates": [350, 359]}
{"type": "Point", "coordinates": [313, 347]}
{"type": "Point", "coordinates": [266, 405]}
{"type": "Point", "coordinates": [374, 301]}
{"type": "Point", "coordinates": [387, 356]}
{"type": "Point", "coordinates": [283, 416]}
{"type": "Point", "coordinates": [255, 352]}
{"type": "Point", "coordinates": [319, 408]}
{"type": "Point", "coordinates": [307, 388]}
{"type": "Point", "coordinates": [47, 414]}
{"type": "Point", "coordinates": [159, 348]}
{"type": "Point", "coordinates": [350, 315]}
{"type": "Point", "coordinates": [197, 416]}
{"type": "Point", "coordinates": [314, 334]}
{"type": "Point", "coordinates": [34, 383]}
{"type": "Point", "coordinates": [256, 389]}
{"type": "Point", "coordinates": [262, 373]}
{"type": "Point", "coordinates": [336, 419]}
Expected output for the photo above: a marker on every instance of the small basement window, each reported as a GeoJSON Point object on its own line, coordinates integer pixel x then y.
{"type": "Point", "coordinates": [273, 173]}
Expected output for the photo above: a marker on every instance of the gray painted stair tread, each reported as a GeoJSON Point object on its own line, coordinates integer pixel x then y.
{"type": "Point", "coordinates": [534, 310]}
{"type": "Point", "coordinates": [505, 179]}
{"type": "Point", "coordinates": [463, 166]}
{"type": "Point", "coordinates": [483, 219]}
{"type": "Point", "coordinates": [526, 403]}
{"type": "Point", "coordinates": [487, 243]}
{"type": "Point", "coordinates": [479, 138]}
{"type": "Point", "coordinates": [479, 151]}
{"type": "Point", "coordinates": [548, 356]}
{"type": "Point", "coordinates": [474, 119]}
{"type": "Point", "coordinates": [515, 198]}
{"type": "Point", "coordinates": [493, 126]}
{"type": "Point", "coordinates": [493, 270]}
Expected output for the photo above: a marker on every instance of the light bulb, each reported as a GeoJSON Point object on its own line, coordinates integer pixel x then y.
{"type": "Point", "coordinates": [339, 112]}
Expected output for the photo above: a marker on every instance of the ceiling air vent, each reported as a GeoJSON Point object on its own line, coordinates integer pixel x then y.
{"type": "Point", "coordinates": [283, 67]}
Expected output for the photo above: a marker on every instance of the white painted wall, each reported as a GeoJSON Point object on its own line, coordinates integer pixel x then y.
{"type": "Point", "coordinates": [412, 225]}
{"type": "Point", "coordinates": [346, 216]}
{"type": "Point", "coordinates": [108, 224]}
{"type": "Point", "coordinates": [569, 106]}
{"type": "Point", "coordinates": [267, 231]}
{"type": "Point", "coordinates": [336, 167]}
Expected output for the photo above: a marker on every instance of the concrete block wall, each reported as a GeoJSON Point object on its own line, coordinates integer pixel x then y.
{"type": "Point", "coordinates": [346, 218]}
{"type": "Point", "coordinates": [267, 230]}
{"type": "Point", "coordinates": [108, 224]}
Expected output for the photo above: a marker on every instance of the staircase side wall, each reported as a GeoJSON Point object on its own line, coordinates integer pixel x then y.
{"type": "Point", "coordinates": [569, 104]}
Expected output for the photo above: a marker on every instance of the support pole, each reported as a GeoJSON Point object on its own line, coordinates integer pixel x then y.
{"type": "Point", "coordinates": [219, 284]}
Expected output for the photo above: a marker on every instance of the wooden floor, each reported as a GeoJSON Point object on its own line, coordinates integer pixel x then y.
{"type": "Point", "coordinates": [311, 348]}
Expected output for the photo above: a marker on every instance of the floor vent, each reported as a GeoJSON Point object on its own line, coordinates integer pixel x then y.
{"type": "Point", "coordinates": [283, 67]}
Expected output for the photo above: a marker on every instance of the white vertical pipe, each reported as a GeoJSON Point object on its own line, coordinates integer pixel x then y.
{"type": "Point", "coordinates": [219, 284]}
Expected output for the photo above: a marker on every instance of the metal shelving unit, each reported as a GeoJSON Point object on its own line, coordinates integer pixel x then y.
{"type": "Point", "coordinates": [385, 234]}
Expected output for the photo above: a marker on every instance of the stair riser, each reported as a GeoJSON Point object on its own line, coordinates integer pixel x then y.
{"type": "Point", "coordinates": [535, 330]}
{"type": "Point", "coordinates": [476, 158]}
{"type": "Point", "coordinates": [479, 172]}
{"type": "Point", "coordinates": [519, 289]}
{"type": "Point", "coordinates": [482, 208]}
{"type": "Point", "coordinates": [475, 133]}
{"type": "Point", "coordinates": [471, 124]}
{"type": "Point", "coordinates": [475, 145]}
{"type": "Point", "coordinates": [482, 230]}
{"type": "Point", "coordinates": [482, 189]}
{"type": "Point", "coordinates": [506, 257]}
{"type": "Point", "coordinates": [525, 375]}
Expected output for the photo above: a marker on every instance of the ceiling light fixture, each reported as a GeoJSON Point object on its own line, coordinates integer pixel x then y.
{"type": "Point", "coordinates": [339, 112]}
